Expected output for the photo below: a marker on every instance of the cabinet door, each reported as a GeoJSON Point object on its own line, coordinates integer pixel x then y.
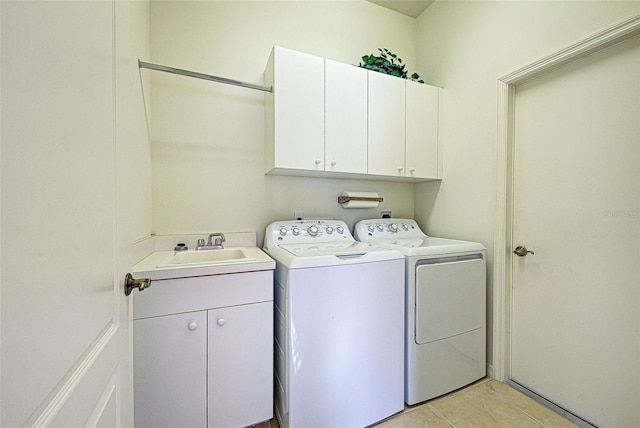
{"type": "Point", "coordinates": [421, 130]}
{"type": "Point", "coordinates": [345, 118]}
{"type": "Point", "coordinates": [170, 370]}
{"type": "Point", "coordinates": [298, 110]}
{"type": "Point", "coordinates": [240, 365]}
{"type": "Point", "coordinates": [386, 125]}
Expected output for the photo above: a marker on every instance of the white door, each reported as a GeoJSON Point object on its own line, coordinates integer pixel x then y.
{"type": "Point", "coordinates": [576, 302]}
{"type": "Point", "coordinates": [65, 334]}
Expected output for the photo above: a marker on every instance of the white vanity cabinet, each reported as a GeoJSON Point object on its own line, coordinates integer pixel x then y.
{"type": "Point", "coordinates": [203, 351]}
{"type": "Point", "coordinates": [294, 111]}
{"type": "Point", "coordinates": [239, 338]}
{"type": "Point", "coordinates": [170, 370]}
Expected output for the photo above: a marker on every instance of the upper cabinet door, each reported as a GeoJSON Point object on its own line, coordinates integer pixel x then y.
{"type": "Point", "coordinates": [345, 118]}
{"type": "Point", "coordinates": [422, 130]}
{"type": "Point", "coordinates": [386, 125]}
{"type": "Point", "coordinates": [295, 111]}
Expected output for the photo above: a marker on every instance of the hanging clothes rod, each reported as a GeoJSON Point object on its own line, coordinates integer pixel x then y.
{"type": "Point", "coordinates": [172, 70]}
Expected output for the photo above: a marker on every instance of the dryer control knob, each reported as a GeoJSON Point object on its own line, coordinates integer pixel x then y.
{"type": "Point", "coordinates": [283, 231]}
{"type": "Point", "coordinates": [393, 227]}
{"type": "Point", "coordinates": [340, 229]}
{"type": "Point", "coordinates": [296, 231]}
{"type": "Point", "coordinates": [312, 230]}
{"type": "Point", "coordinates": [405, 227]}
{"type": "Point", "coordinates": [380, 227]}
{"type": "Point", "coordinates": [371, 228]}
{"type": "Point", "coordinates": [329, 230]}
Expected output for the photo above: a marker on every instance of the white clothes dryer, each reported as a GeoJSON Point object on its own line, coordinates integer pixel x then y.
{"type": "Point", "coordinates": [445, 325]}
{"type": "Point", "coordinates": [339, 326]}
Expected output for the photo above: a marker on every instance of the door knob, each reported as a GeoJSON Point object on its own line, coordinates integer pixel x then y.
{"type": "Point", "coordinates": [130, 283]}
{"type": "Point", "coordinates": [522, 251]}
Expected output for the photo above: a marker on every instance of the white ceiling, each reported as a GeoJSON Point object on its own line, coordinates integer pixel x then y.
{"type": "Point", "coordinates": [411, 8]}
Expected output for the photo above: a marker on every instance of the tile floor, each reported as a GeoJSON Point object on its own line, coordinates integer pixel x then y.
{"type": "Point", "coordinates": [486, 403]}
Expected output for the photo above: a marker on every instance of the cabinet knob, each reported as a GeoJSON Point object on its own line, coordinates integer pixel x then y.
{"type": "Point", "coordinates": [333, 163]}
{"type": "Point", "coordinates": [412, 170]}
{"type": "Point", "coordinates": [220, 321]}
{"type": "Point", "coordinates": [192, 325]}
{"type": "Point", "coordinates": [318, 161]}
{"type": "Point", "coordinates": [400, 168]}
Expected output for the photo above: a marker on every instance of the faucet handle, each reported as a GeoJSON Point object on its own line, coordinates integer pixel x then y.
{"type": "Point", "coordinates": [200, 242]}
{"type": "Point", "coordinates": [219, 239]}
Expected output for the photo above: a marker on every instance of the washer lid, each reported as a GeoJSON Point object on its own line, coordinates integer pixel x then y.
{"type": "Point", "coordinates": [296, 256]}
{"type": "Point", "coordinates": [350, 248]}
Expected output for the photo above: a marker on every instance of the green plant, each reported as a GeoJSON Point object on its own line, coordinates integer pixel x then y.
{"type": "Point", "coordinates": [387, 63]}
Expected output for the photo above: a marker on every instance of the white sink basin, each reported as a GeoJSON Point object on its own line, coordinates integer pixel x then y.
{"type": "Point", "coordinates": [240, 255]}
{"type": "Point", "coordinates": [206, 257]}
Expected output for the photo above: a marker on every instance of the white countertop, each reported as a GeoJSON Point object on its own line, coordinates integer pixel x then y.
{"type": "Point", "coordinates": [154, 266]}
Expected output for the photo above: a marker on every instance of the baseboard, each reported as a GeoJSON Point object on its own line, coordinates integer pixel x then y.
{"type": "Point", "coordinates": [550, 405]}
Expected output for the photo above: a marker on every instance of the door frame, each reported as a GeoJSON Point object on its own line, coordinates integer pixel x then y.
{"type": "Point", "coordinates": [503, 234]}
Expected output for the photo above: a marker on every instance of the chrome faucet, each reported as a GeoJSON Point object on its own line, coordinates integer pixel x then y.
{"type": "Point", "coordinates": [212, 244]}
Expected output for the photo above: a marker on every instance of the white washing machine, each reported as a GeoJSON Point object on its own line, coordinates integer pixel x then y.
{"type": "Point", "coordinates": [445, 343]}
{"type": "Point", "coordinates": [339, 326]}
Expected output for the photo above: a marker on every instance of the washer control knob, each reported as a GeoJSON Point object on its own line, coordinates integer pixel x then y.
{"type": "Point", "coordinates": [405, 227]}
{"type": "Point", "coordinates": [296, 231]}
{"type": "Point", "coordinates": [329, 230]}
{"type": "Point", "coordinates": [393, 227]}
{"type": "Point", "coordinates": [380, 227]}
{"type": "Point", "coordinates": [283, 231]}
{"type": "Point", "coordinates": [313, 230]}
{"type": "Point", "coordinates": [371, 228]}
{"type": "Point", "coordinates": [340, 229]}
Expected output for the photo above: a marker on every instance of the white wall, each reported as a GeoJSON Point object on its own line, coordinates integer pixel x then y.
{"type": "Point", "coordinates": [208, 138]}
{"type": "Point", "coordinates": [466, 47]}
{"type": "Point", "coordinates": [133, 108]}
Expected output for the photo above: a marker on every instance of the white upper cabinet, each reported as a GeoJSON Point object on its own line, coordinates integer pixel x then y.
{"type": "Point", "coordinates": [421, 143]}
{"type": "Point", "coordinates": [386, 125]}
{"type": "Point", "coordinates": [326, 118]}
{"type": "Point", "coordinates": [345, 118]}
{"type": "Point", "coordinates": [294, 112]}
